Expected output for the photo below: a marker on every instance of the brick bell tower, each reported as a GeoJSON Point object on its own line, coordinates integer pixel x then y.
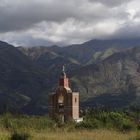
{"type": "Point", "coordinates": [63, 80]}
{"type": "Point", "coordinates": [64, 103]}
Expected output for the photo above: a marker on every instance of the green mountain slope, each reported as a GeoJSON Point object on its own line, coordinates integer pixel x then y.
{"type": "Point", "coordinates": [104, 72]}
{"type": "Point", "coordinates": [98, 84]}
{"type": "Point", "coordinates": [113, 82]}
{"type": "Point", "coordinates": [21, 81]}
{"type": "Point", "coordinates": [89, 52]}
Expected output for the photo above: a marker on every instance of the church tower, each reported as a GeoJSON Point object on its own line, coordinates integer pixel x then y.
{"type": "Point", "coordinates": [63, 80]}
{"type": "Point", "coordinates": [64, 103]}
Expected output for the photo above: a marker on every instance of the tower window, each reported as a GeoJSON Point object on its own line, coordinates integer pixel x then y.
{"type": "Point", "coordinates": [75, 100]}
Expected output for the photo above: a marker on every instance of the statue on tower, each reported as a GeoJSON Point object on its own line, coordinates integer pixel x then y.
{"type": "Point", "coordinates": [63, 74]}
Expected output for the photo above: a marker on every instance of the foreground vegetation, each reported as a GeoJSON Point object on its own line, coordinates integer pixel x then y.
{"type": "Point", "coordinates": [97, 125]}
{"type": "Point", "coordinates": [77, 135]}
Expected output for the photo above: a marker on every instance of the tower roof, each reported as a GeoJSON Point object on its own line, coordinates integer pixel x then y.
{"type": "Point", "coordinates": [63, 80]}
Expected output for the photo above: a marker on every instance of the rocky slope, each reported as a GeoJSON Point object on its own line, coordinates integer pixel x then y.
{"type": "Point", "coordinates": [104, 72]}
{"type": "Point", "coordinates": [114, 82]}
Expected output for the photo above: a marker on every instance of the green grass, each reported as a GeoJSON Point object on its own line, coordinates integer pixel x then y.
{"type": "Point", "coordinates": [107, 53]}
{"type": "Point", "coordinates": [96, 126]}
{"type": "Point", "coordinates": [75, 135]}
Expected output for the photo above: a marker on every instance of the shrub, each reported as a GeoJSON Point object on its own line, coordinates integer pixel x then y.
{"type": "Point", "coordinates": [115, 120]}
{"type": "Point", "coordinates": [135, 138]}
{"type": "Point", "coordinates": [88, 124]}
{"type": "Point", "coordinates": [8, 123]}
{"type": "Point", "coordinates": [19, 136]}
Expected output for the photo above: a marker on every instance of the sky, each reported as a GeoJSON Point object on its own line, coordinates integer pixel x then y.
{"type": "Point", "coordinates": [64, 22]}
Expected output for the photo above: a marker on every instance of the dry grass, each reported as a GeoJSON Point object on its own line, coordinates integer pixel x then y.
{"type": "Point", "coordinates": [78, 135]}
{"type": "Point", "coordinates": [84, 135]}
{"type": "Point", "coordinates": [4, 135]}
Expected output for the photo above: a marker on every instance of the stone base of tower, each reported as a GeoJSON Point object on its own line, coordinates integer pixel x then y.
{"type": "Point", "coordinates": [67, 108]}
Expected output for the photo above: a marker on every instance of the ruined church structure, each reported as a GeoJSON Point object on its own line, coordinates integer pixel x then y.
{"type": "Point", "coordinates": [64, 103]}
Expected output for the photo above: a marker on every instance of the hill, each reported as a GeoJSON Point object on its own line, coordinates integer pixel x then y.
{"type": "Point", "coordinates": [21, 81]}
{"type": "Point", "coordinates": [105, 73]}
{"type": "Point", "coordinates": [114, 82]}
{"type": "Point", "coordinates": [89, 52]}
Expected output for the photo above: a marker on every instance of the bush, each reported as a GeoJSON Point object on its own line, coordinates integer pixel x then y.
{"type": "Point", "coordinates": [109, 120]}
{"type": "Point", "coordinates": [15, 122]}
{"type": "Point", "coordinates": [136, 138]}
{"type": "Point", "coordinates": [19, 136]}
{"type": "Point", "coordinates": [7, 121]}
{"type": "Point", "coordinates": [87, 125]}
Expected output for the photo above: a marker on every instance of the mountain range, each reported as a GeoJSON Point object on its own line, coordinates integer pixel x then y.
{"type": "Point", "coordinates": [105, 72]}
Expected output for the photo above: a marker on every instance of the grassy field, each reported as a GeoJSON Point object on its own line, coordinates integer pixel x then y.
{"type": "Point", "coordinates": [100, 126]}
{"type": "Point", "coordinates": [77, 135]}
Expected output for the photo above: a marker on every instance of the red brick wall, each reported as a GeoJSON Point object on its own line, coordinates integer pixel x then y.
{"type": "Point", "coordinates": [71, 104]}
{"type": "Point", "coordinates": [64, 82]}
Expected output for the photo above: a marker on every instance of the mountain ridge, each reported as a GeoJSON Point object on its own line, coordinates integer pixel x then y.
{"type": "Point", "coordinates": [107, 76]}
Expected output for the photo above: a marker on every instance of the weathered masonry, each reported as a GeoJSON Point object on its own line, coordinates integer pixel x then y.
{"type": "Point", "coordinates": [64, 103]}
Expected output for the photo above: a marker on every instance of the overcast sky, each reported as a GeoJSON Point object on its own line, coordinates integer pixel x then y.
{"type": "Point", "coordinates": [63, 22]}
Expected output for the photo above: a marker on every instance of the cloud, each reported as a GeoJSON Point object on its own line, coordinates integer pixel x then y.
{"type": "Point", "coordinates": [130, 31]}
{"type": "Point", "coordinates": [62, 22]}
{"type": "Point", "coordinates": [111, 3]}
